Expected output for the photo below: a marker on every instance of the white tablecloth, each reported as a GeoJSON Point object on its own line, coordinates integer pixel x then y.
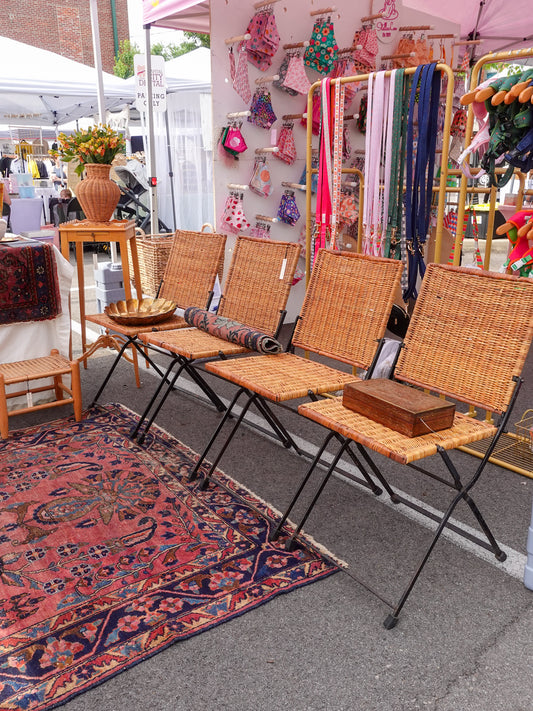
{"type": "Point", "coordinates": [33, 339]}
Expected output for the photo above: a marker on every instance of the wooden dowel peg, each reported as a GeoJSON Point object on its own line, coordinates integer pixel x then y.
{"type": "Point", "coordinates": [238, 38]}
{"type": "Point", "coordinates": [264, 3]}
{"type": "Point", "coordinates": [323, 11]}
{"type": "Point", "coordinates": [350, 117]}
{"type": "Point", "coordinates": [238, 114]}
{"type": "Point", "coordinates": [293, 186]}
{"type": "Point", "coordinates": [296, 45]}
{"type": "Point", "coordinates": [293, 117]}
{"type": "Point", "coordinates": [461, 42]}
{"type": "Point", "coordinates": [265, 218]}
{"type": "Point", "coordinates": [448, 36]}
{"type": "Point", "coordinates": [353, 48]}
{"type": "Point", "coordinates": [236, 186]}
{"type": "Point", "coordinates": [270, 149]}
{"type": "Point", "coordinates": [398, 56]}
{"type": "Point", "coordinates": [416, 28]}
{"type": "Point", "coordinates": [369, 18]}
{"type": "Point", "coordinates": [267, 80]}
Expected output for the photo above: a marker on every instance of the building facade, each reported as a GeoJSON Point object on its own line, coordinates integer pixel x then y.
{"type": "Point", "coordinates": [64, 27]}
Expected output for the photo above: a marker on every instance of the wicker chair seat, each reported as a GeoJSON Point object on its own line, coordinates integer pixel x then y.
{"type": "Point", "coordinates": [332, 414]}
{"type": "Point", "coordinates": [104, 321]}
{"type": "Point", "coordinates": [281, 377]}
{"type": "Point", "coordinates": [191, 343]}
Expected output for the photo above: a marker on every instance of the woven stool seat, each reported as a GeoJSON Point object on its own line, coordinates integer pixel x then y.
{"type": "Point", "coordinates": [35, 368]}
{"type": "Point", "coordinates": [53, 366]}
{"type": "Point", "coordinates": [281, 377]}
{"type": "Point", "coordinates": [331, 414]}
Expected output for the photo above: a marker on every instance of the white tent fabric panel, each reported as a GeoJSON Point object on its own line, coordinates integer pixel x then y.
{"type": "Point", "coordinates": [191, 158]}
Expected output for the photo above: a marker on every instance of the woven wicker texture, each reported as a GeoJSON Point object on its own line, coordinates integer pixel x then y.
{"type": "Point", "coordinates": [192, 343]}
{"type": "Point", "coordinates": [153, 252]}
{"type": "Point", "coordinates": [469, 334]}
{"type": "Point", "coordinates": [331, 414]}
{"type": "Point", "coordinates": [187, 262]}
{"type": "Point", "coordinates": [193, 264]}
{"type": "Point", "coordinates": [103, 320]}
{"type": "Point", "coordinates": [347, 305]}
{"type": "Point", "coordinates": [258, 282]}
{"type": "Point", "coordinates": [44, 367]}
{"type": "Point", "coordinates": [345, 311]}
{"type": "Point", "coordinates": [281, 377]}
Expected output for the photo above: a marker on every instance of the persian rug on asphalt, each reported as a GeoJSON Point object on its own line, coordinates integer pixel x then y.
{"type": "Point", "coordinates": [109, 555]}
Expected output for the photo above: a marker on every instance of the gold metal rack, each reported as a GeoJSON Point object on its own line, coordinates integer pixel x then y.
{"type": "Point", "coordinates": [441, 191]}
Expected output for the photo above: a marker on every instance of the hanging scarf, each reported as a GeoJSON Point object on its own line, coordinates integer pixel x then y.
{"type": "Point", "coordinates": [420, 168]}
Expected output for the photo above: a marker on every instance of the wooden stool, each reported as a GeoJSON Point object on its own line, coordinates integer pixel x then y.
{"type": "Point", "coordinates": [52, 366]}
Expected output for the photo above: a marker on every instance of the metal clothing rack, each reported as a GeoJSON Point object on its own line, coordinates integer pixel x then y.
{"type": "Point", "coordinates": [441, 191]}
{"type": "Point", "coordinates": [509, 453]}
{"type": "Point", "coordinates": [474, 82]}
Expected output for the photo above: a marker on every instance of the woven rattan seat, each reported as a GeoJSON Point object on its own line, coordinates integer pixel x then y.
{"type": "Point", "coordinates": [255, 294]}
{"type": "Point", "coordinates": [25, 371]}
{"type": "Point", "coordinates": [331, 414]}
{"type": "Point", "coordinates": [195, 260]}
{"type": "Point", "coordinates": [467, 340]}
{"type": "Point", "coordinates": [344, 316]}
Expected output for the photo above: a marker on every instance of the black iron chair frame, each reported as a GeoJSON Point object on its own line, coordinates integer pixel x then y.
{"type": "Point", "coordinates": [489, 542]}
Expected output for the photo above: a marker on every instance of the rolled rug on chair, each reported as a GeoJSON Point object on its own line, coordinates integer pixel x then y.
{"type": "Point", "coordinates": [232, 331]}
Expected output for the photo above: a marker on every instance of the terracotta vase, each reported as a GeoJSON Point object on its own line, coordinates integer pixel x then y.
{"type": "Point", "coordinates": [97, 193]}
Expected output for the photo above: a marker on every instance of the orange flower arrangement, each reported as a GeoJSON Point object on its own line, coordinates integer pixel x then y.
{"type": "Point", "coordinates": [100, 144]}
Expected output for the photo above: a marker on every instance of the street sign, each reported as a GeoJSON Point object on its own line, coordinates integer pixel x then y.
{"type": "Point", "coordinates": [159, 85]}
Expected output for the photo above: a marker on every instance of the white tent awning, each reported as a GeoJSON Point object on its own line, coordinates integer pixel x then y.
{"type": "Point", "coordinates": [43, 88]}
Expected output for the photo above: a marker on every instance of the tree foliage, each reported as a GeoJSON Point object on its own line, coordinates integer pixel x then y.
{"type": "Point", "coordinates": [124, 59]}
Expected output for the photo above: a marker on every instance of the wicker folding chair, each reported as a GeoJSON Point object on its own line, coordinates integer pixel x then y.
{"type": "Point", "coordinates": [344, 316]}
{"type": "Point", "coordinates": [255, 294]}
{"type": "Point", "coordinates": [195, 260]}
{"type": "Point", "coordinates": [468, 339]}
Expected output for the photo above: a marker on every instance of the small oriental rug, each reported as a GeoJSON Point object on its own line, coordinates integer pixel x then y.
{"type": "Point", "coordinates": [108, 555]}
{"type": "Point", "coordinates": [29, 287]}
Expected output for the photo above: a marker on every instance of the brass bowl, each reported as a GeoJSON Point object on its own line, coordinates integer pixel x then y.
{"type": "Point", "coordinates": [140, 313]}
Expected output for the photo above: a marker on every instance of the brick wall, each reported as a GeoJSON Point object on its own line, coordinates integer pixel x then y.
{"type": "Point", "coordinates": [64, 27]}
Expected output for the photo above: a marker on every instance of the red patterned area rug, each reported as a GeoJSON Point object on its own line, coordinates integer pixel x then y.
{"type": "Point", "coordinates": [108, 555]}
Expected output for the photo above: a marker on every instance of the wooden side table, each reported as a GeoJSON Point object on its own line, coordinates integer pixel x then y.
{"type": "Point", "coordinates": [121, 231]}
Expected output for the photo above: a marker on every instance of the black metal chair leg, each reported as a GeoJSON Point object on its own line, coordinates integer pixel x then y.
{"type": "Point", "coordinates": [203, 385]}
{"type": "Point", "coordinates": [205, 481]}
{"type": "Point", "coordinates": [155, 395]}
{"type": "Point", "coordinates": [110, 372]}
{"type": "Point", "coordinates": [368, 459]}
{"type": "Point", "coordinates": [215, 434]}
{"type": "Point", "coordinates": [274, 535]}
{"type": "Point", "coordinates": [276, 425]}
{"type": "Point", "coordinates": [499, 554]}
{"type": "Point", "coordinates": [289, 545]}
{"type": "Point", "coordinates": [367, 479]}
{"type": "Point", "coordinates": [392, 619]}
{"type": "Point", "coordinates": [162, 400]}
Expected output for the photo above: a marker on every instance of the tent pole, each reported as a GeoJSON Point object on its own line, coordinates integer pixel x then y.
{"type": "Point", "coordinates": [154, 217]}
{"type": "Point", "coordinates": [98, 60]}
{"type": "Point", "coordinates": [170, 172]}
{"type": "Point", "coordinates": [100, 87]}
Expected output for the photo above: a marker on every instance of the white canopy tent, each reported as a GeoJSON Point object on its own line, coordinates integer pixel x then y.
{"type": "Point", "coordinates": [40, 88]}
{"type": "Point", "coordinates": [183, 143]}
